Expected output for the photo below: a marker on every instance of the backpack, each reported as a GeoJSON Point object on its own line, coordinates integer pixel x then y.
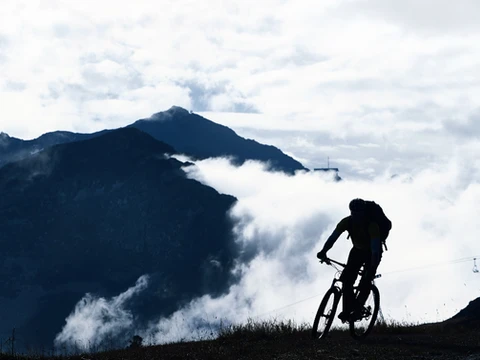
{"type": "Point", "coordinates": [374, 212]}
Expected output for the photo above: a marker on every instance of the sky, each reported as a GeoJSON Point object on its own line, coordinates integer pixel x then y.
{"type": "Point", "coordinates": [389, 91]}
{"type": "Point", "coordinates": [353, 80]}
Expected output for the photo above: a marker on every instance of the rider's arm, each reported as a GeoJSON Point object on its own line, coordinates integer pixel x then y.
{"type": "Point", "coordinates": [339, 229]}
{"type": "Point", "coordinates": [331, 240]}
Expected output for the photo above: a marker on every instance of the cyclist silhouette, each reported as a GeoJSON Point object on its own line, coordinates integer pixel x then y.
{"type": "Point", "coordinates": [367, 239]}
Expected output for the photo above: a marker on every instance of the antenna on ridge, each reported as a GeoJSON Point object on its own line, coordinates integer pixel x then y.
{"type": "Point", "coordinates": [328, 162]}
{"type": "Point", "coordinates": [475, 269]}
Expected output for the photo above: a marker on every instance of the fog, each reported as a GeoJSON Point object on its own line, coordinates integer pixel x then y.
{"type": "Point", "coordinates": [282, 221]}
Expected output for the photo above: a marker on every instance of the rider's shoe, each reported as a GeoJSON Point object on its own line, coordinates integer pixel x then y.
{"type": "Point", "coordinates": [356, 315]}
{"type": "Point", "coordinates": [343, 316]}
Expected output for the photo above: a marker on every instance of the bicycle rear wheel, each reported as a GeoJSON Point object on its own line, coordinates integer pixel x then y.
{"type": "Point", "coordinates": [326, 313]}
{"type": "Point", "coordinates": [361, 328]}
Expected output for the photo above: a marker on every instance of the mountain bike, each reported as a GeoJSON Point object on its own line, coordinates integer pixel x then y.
{"type": "Point", "coordinates": [359, 328]}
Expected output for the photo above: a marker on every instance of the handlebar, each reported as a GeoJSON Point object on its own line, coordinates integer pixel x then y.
{"type": "Point", "coordinates": [329, 261]}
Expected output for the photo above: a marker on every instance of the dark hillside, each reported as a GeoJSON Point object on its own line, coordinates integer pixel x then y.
{"type": "Point", "coordinates": [468, 317]}
{"type": "Point", "coordinates": [95, 215]}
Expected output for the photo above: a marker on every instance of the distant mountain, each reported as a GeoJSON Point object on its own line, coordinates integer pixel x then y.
{"type": "Point", "coordinates": [188, 133]}
{"type": "Point", "coordinates": [13, 149]}
{"type": "Point", "coordinates": [93, 216]}
{"type": "Point", "coordinates": [201, 138]}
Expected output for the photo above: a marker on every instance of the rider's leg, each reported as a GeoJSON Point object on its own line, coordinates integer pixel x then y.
{"type": "Point", "coordinates": [348, 277]}
{"type": "Point", "coordinates": [366, 280]}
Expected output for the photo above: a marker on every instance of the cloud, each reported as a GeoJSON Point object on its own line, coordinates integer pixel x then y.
{"type": "Point", "coordinates": [372, 142]}
{"type": "Point", "coordinates": [217, 96]}
{"type": "Point", "coordinates": [282, 221]}
{"type": "Point", "coordinates": [92, 67]}
{"type": "Point", "coordinates": [426, 15]}
{"type": "Point", "coordinates": [464, 128]}
{"type": "Point", "coordinates": [95, 319]}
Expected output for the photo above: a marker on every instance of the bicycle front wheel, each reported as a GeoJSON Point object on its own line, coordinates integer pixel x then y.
{"type": "Point", "coordinates": [361, 328]}
{"type": "Point", "coordinates": [326, 313]}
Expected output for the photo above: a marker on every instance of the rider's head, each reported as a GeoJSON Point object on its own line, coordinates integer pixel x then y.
{"type": "Point", "coordinates": [357, 209]}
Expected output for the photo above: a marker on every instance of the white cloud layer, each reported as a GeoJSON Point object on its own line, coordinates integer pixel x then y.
{"type": "Point", "coordinates": [287, 219]}
{"type": "Point", "coordinates": [283, 221]}
{"type": "Point", "coordinates": [363, 65]}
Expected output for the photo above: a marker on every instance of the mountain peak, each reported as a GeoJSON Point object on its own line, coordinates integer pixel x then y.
{"type": "Point", "coordinates": [175, 108]}
{"type": "Point", "coordinates": [169, 114]}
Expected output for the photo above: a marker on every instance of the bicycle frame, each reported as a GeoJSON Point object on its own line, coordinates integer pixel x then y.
{"type": "Point", "coordinates": [337, 279]}
{"type": "Point", "coordinates": [369, 313]}
{"type": "Point", "coordinates": [330, 261]}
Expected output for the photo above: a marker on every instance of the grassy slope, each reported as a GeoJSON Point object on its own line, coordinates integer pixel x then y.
{"type": "Point", "coordinates": [273, 340]}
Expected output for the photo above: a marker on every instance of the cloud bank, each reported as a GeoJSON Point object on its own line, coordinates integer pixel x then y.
{"type": "Point", "coordinates": [372, 66]}
{"type": "Point", "coordinates": [285, 220]}
{"type": "Point", "coordinates": [282, 221]}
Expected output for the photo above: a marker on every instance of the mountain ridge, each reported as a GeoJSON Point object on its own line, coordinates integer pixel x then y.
{"type": "Point", "coordinates": [187, 132]}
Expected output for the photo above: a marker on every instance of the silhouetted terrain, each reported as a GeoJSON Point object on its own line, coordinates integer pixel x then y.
{"type": "Point", "coordinates": [471, 312]}
{"type": "Point", "coordinates": [437, 345]}
{"type": "Point", "coordinates": [466, 318]}
{"type": "Point", "coordinates": [188, 133]}
{"type": "Point", "coordinates": [286, 340]}
{"type": "Point", "coordinates": [93, 216]}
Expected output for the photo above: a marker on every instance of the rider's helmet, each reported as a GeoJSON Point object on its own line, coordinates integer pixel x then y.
{"type": "Point", "coordinates": [357, 205]}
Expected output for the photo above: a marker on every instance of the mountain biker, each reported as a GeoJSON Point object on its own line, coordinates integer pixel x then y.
{"type": "Point", "coordinates": [367, 250]}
